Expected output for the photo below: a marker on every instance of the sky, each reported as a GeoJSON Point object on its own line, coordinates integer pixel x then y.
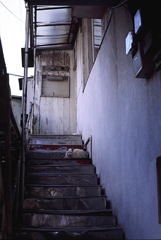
{"type": "Point", "coordinates": [12, 33]}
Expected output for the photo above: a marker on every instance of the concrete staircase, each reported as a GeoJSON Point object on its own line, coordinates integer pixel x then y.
{"type": "Point", "coordinates": [63, 199]}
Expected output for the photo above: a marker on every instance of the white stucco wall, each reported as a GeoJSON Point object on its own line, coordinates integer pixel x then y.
{"type": "Point", "coordinates": [123, 115]}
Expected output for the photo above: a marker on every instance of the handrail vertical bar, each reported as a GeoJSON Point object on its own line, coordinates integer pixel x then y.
{"type": "Point", "coordinates": [24, 101]}
{"type": "Point", "coordinates": [29, 122]}
{"type": "Point", "coordinates": [85, 145]}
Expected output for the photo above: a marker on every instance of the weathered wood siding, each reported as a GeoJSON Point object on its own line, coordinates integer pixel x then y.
{"type": "Point", "coordinates": [54, 113]}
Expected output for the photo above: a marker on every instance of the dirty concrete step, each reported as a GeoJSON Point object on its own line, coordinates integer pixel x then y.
{"type": "Point", "coordinates": [93, 212]}
{"type": "Point", "coordinates": [71, 161]}
{"type": "Point", "coordinates": [62, 191]}
{"type": "Point", "coordinates": [48, 151]}
{"type": "Point", "coordinates": [55, 142]}
{"type": "Point", "coordinates": [68, 233]}
{"type": "Point", "coordinates": [61, 136]}
{"type": "Point", "coordinates": [59, 220]}
{"type": "Point", "coordinates": [62, 179]}
{"type": "Point", "coordinates": [77, 203]}
{"type": "Point", "coordinates": [82, 169]}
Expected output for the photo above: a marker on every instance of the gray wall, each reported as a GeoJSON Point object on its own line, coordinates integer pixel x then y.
{"type": "Point", "coordinates": [16, 103]}
{"type": "Point", "coordinates": [123, 115]}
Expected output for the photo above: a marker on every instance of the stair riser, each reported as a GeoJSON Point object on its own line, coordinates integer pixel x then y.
{"type": "Point", "coordinates": [46, 154]}
{"type": "Point", "coordinates": [82, 169]}
{"type": "Point", "coordinates": [65, 203]}
{"type": "Point", "coordinates": [48, 220]}
{"type": "Point", "coordinates": [63, 191]}
{"type": "Point", "coordinates": [78, 162]}
{"type": "Point", "coordinates": [84, 180]}
{"type": "Point", "coordinates": [90, 235]}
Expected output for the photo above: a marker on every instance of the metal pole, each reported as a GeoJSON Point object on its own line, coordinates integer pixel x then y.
{"type": "Point", "coordinates": [24, 101]}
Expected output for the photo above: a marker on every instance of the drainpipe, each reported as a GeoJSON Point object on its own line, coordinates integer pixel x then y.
{"type": "Point", "coordinates": [24, 97]}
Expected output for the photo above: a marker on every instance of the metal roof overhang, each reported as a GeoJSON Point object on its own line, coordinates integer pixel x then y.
{"type": "Point", "coordinates": [55, 23]}
{"type": "Point", "coordinates": [107, 3]}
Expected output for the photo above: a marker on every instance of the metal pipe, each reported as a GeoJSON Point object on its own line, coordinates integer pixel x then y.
{"type": "Point", "coordinates": [91, 146]}
{"type": "Point", "coordinates": [29, 115]}
{"type": "Point", "coordinates": [24, 102]}
{"type": "Point", "coordinates": [18, 188]}
{"type": "Point", "coordinates": [15, 75]}
{"type": "Point", "coordinates": [53, 24]}
{"type": "Point", "coordinates": [70, 30]}
{"type": "Point", "coordinates": [27, 122]}
{"type": "Point", "coordinates": [31, 26]}
{"type": "Point", "coordinates": [35, 33]}
{"type": "Point", "coordinates": [53, 44]}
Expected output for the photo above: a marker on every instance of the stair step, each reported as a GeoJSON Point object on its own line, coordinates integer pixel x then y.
{"type": "Point", "coordinates": [77, 203]}
{"type": "Point", "coordinates": [84, 169]}
{"type": "Point", "coordinates": [55, 142]}
{"type": "Point", "coordinates": [62, 191]}
{"type": "Point", "coordinates": [58, 147]}
{"type": "Point", "coordinates": [62, 179]}
{"type": "Point", "coordinates": [59, 220]}
{"type": "Point", "coordinates": [73, 161]}
{"type": "Point", "coordinates": [68, 233]}
{"type": "Point", "coordinates": [93, 212]}
{"type": "Point", "coordinates": [62, 197]}
{"type": "Point", "coordinates": [51, 152]}
{"type": "Point", "coordinates": [62, 136]}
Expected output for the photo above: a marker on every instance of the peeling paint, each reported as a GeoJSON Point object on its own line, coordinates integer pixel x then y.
{"type": "Point", "coordinates": [52, 115]}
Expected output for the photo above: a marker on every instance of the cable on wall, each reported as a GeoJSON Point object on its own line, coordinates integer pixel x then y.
{"type": "Point", "coordinates": [10, 11]}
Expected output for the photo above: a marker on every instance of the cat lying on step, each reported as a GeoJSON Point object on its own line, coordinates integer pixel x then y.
{"type": "Point", "coordinates": [76, 153]}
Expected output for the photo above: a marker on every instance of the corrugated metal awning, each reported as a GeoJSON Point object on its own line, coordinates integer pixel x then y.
{"type": "Point", "coordinates": [54, 27]}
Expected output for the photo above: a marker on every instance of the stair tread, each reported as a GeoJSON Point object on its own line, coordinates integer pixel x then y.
{"type": "Point", "coordinates": [75, 197]}
{"type": "Point", "coordinates": [61, 143]}
{"type": "Point", "coordinates": [59, 162]}
{"type": "Point", "coordinates": [86, 233]}
{"type": "Point", "coordinates": [68, 212]}
{"type": "Point", "coordinates": [61, 229]}
{"type": "Point", "coordinates": [53, 135]}
{"type": "Point", "coordinates": [64, 159]}
{"type": "Point", "coordinates": [61, 220]}
{"type": "Point", "coordinates": [51, 165]}
{"type": "Point", "coordinates": [56, 185]}
{"type": "Point", "coordinates": [52, 174]}
{"type": "Point", "coordinates": [67, 169]}
{"type": "Point", "coordinates": [56, 148]}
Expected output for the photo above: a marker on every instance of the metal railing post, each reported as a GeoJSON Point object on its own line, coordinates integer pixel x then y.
{"type": "Point", "coordinates": [85, 145]}
{"type": "Point", "coordinates": [24, 100]}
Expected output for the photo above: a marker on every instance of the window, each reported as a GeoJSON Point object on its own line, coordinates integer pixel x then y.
{"type": "Point", "coordinates": [55, 86]}
{"type": "Point", "coordinates": [92, 38]}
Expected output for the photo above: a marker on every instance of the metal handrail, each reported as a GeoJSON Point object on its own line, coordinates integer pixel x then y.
{"type": "Point", "coordinates": [85, 145]}
{"type": "Point", "coordinates": [29, 121]}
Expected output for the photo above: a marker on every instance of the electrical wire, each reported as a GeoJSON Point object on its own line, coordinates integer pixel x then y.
{"type": "Point", "coordinates": [119, 5]}
{"type": "Point", "coordinates": [11, 11]}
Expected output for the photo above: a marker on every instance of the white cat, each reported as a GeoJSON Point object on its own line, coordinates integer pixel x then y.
{"type": "Point", "coordinates": [76, 153]}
